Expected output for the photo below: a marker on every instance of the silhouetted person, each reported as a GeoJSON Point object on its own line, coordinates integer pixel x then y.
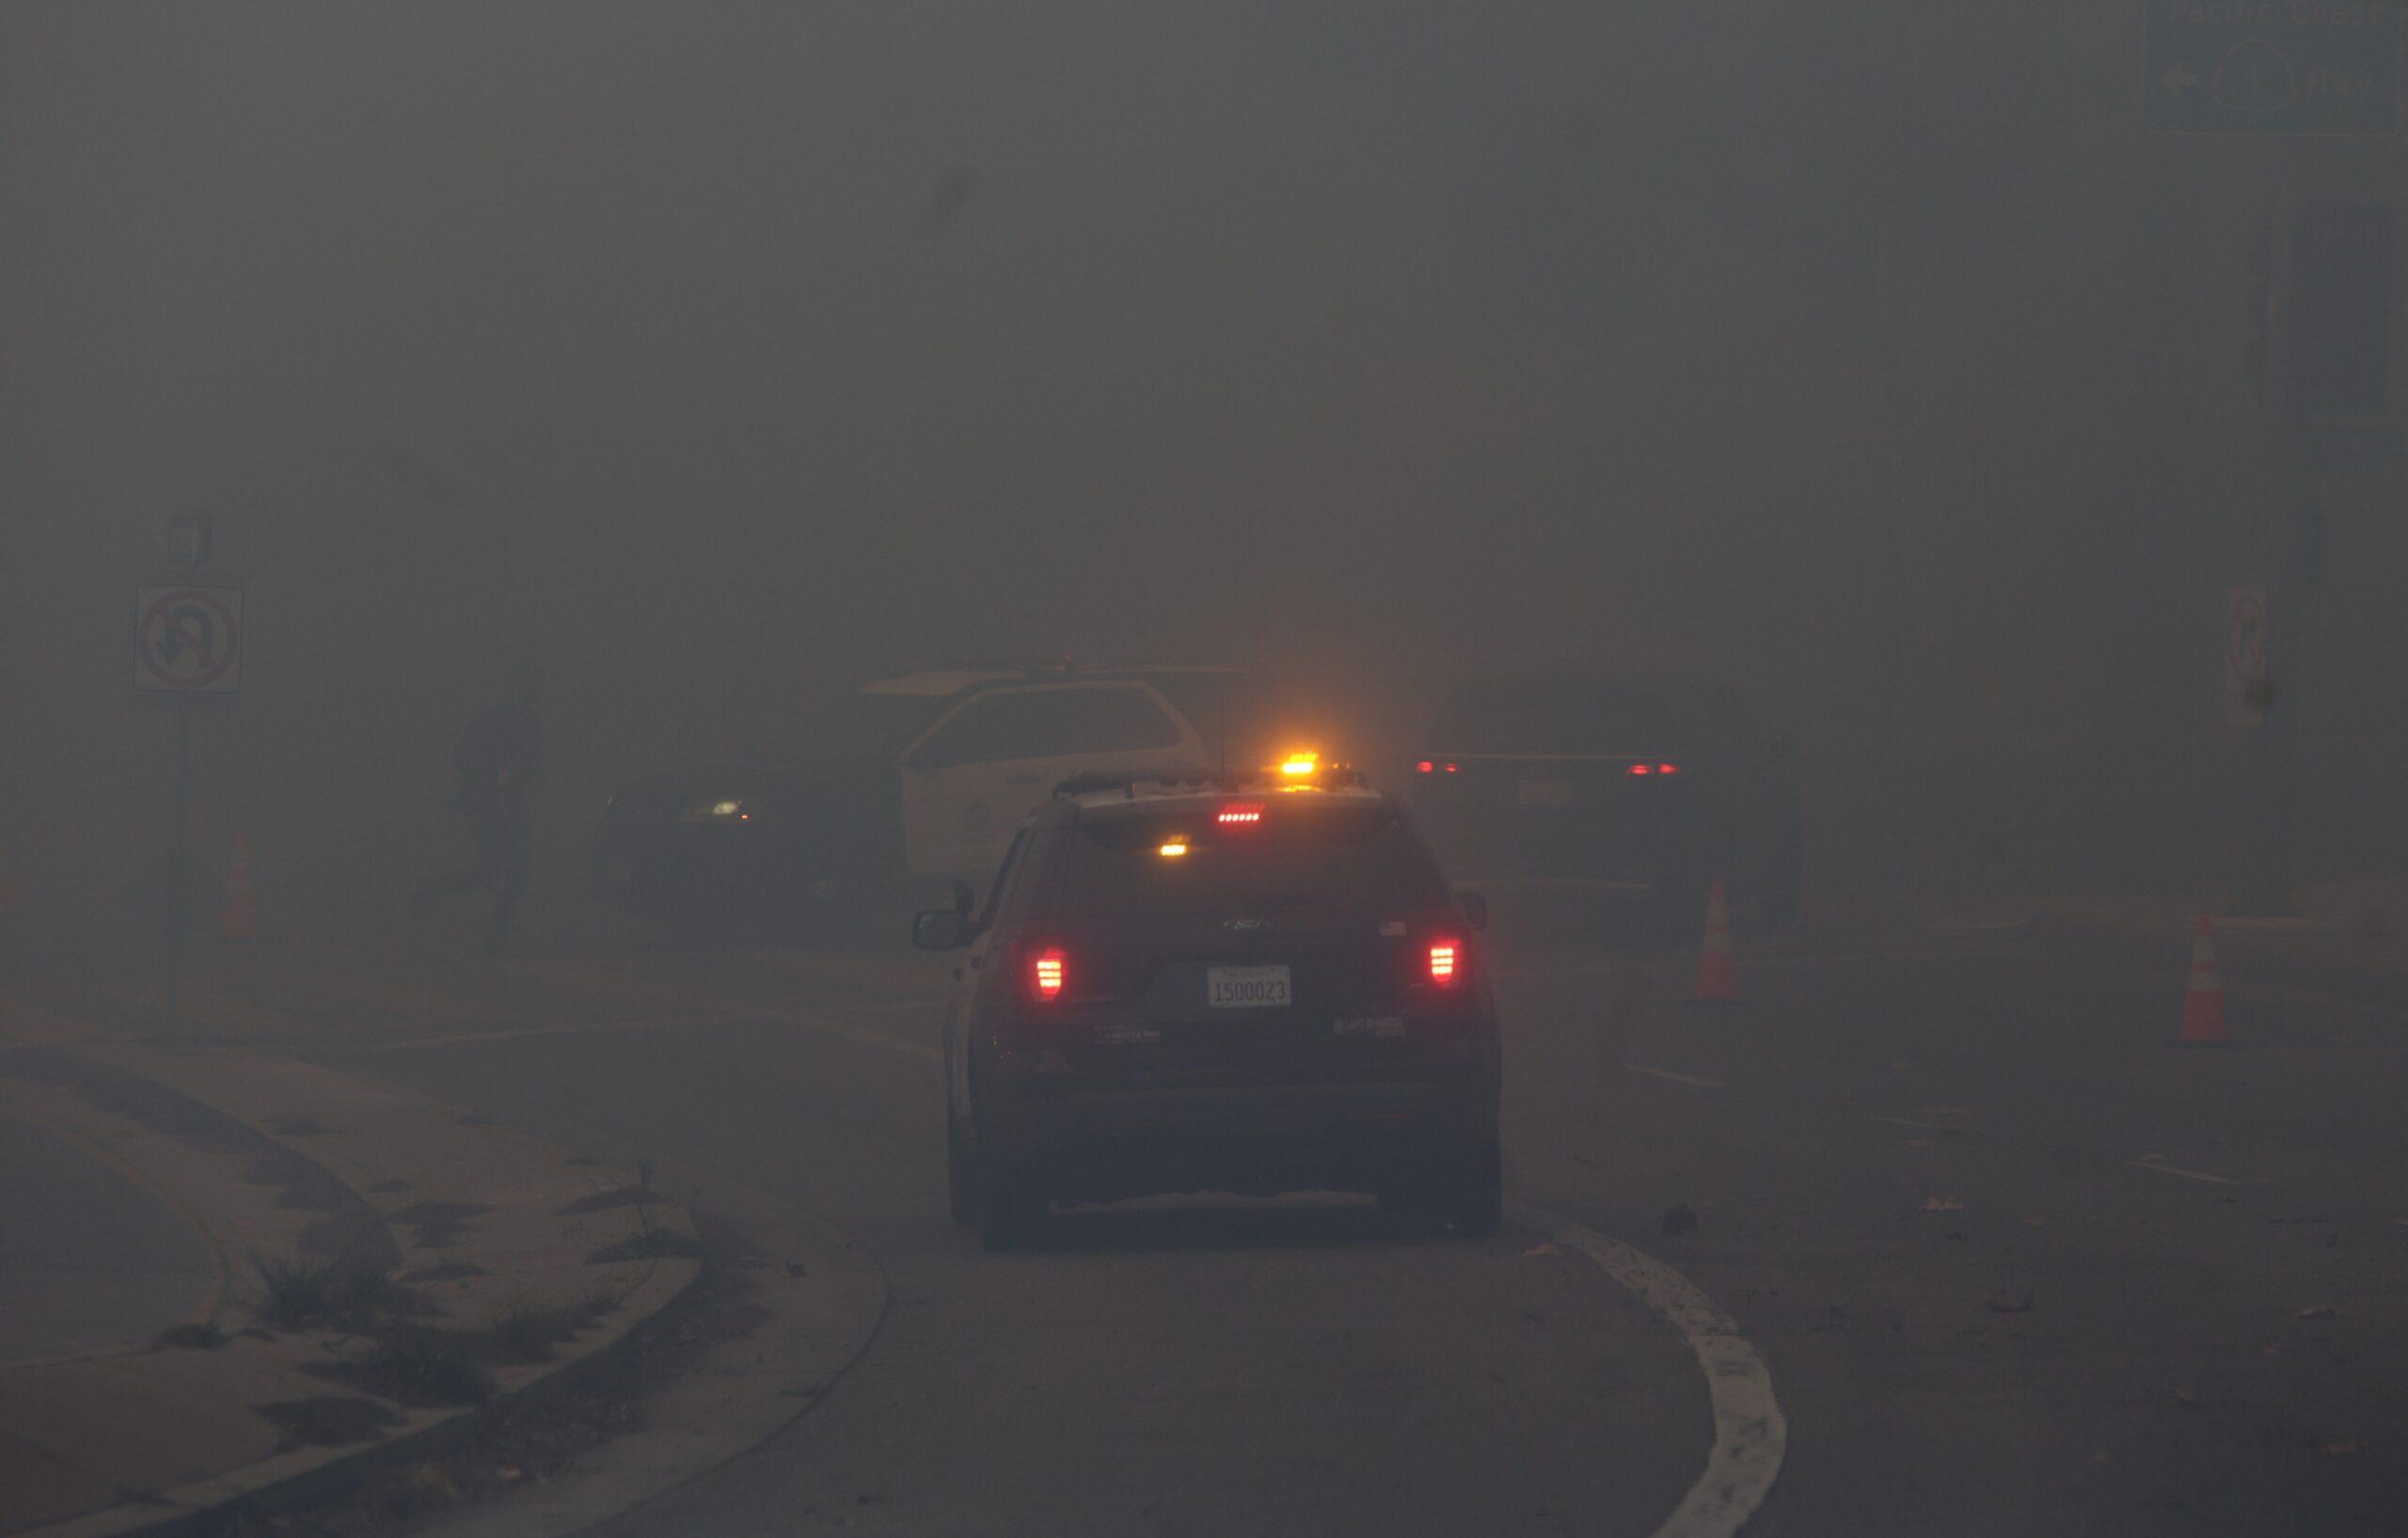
{"type": "Point", "coordinates": [500, 760]}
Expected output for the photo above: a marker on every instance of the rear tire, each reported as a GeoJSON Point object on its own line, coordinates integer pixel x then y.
{"type": "Point", "coordinates": [1011, 1208]}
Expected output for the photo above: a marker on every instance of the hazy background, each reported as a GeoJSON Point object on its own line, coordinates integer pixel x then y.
{"type": "Point", "coordinates": [718, 356]}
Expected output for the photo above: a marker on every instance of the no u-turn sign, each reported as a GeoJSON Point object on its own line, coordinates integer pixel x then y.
{"type": "Point", "coordinates": [188, 640]}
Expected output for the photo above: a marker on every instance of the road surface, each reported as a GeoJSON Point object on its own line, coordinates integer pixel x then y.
{"type": "Point", "coordinates": [90, 1259]}
{"type": "Point", "coordinates": [2017, 1265]}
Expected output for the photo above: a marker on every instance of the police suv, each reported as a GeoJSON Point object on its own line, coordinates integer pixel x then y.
{"type": "Point", "coordinates": [1254, 985]}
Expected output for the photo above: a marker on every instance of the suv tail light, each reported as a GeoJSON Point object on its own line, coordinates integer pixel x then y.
{"type": "Point", "coordinates": [1042, 977]}
{"type": "Point", "coordinates": [1446, 961]}
{"type": "Point", "coordinates": [1049, 973]}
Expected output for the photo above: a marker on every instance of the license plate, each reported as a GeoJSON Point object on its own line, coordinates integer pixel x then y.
{"type": "Point", "coordinates": [1247, 988]}
{"type": "Point", "coordinates": [1546, 792]}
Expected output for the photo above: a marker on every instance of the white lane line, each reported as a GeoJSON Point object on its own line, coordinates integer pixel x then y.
{"type": "Point", "coordinates": [590, 1028]}
{"type": "Point", "coordinates": [1908, 1122]}
{"type": "Point", "coordinates": [829, 1024]}
{"type": "Point", "coordinates": [871, 1039]}
{"type": "Point", "coordinates": [1676, 1078]}
{"type": "Point", "coordinates": [1885, 957]}
{"type": "Point", "coordinates": [1516, 975]}
{"type": "Point", "coordinates": [1981, 926]}
{"type": "Point", "coordinates": [1512, 973]}
{"type": "Point", "coordinates": [1750, 1436]}
{"type": "Point", "coordinates": [2310, 995]}
{"type": "Point", "coordinates": [825, 1028]}
{"type": "Point", "coordinates": [2163, 1168]}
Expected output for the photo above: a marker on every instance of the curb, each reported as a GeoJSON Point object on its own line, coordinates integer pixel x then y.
{"type": "Point", "coordinates": [108, 1093]}
{"type": "Point", "coordinates": [342, 1474]}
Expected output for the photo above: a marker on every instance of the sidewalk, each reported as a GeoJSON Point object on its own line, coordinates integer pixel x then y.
{"type": "Point", "coordinates": [387, 1267]}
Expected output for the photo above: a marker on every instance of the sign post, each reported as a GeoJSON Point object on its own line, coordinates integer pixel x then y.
{"type": "Point", "coordinates": [187, 650]}
{"type": "Point", "coordinates": [2245, 659]}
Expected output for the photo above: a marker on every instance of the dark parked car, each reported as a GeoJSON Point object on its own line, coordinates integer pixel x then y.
{"type": "Point", "coordinates": [1179, 987]}
{"type": "Point", "coordinates": [1652, 787]}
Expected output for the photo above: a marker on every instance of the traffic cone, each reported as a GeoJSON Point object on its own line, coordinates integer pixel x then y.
{"type": "Point", "coordinates": [2203, 1005]}
{"type": "Point", "coordinates": [1718, 964]}
{"type": "Point", "coordinates": [239, 918]}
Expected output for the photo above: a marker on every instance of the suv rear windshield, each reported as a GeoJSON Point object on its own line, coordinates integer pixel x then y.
{"type": "Point", "coordinates": [1300, 855]}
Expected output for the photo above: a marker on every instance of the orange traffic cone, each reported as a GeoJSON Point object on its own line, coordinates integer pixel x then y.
{"type": "Point", "coordinates": [2203, 1005]}
{"type": "Point", "coordinates": [239, 918]}
{"type": "Point", "coordinates": [1718, 964]}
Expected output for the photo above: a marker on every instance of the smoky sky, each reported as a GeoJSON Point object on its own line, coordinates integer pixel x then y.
{"type": "Point", "coordinates": [715, 355]}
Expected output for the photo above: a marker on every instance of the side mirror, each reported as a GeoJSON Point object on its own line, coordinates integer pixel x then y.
{"type": "Point", "coordinates": [1475, 907]}
{"type": "Point", "coordinates": [962, 897]}
{"type": "Point", "coordinates": [940, 929]}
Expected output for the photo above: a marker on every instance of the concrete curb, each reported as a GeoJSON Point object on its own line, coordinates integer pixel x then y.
{"type": "Point", "coordinates": [339, 1474]}
{"type": "Point", "coordinates": [199, 1125]}
{"type": "Point", "coordinates": [817, 1320]}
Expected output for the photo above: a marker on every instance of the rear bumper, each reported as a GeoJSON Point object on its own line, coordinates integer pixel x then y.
{"type": "Point", "coordinates": [1103, 1144]}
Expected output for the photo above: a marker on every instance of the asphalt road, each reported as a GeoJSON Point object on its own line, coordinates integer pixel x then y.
{"type": "Point", "coordinates": [89, 1259]}
{"type": "Point", "coordinates": [2018, 1266]}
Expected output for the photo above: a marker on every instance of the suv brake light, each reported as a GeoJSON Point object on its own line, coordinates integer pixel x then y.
{"type": "Point", "coordinates": [1047, 975]}
{"type": "Point", "coordinates": [1443, 962]}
